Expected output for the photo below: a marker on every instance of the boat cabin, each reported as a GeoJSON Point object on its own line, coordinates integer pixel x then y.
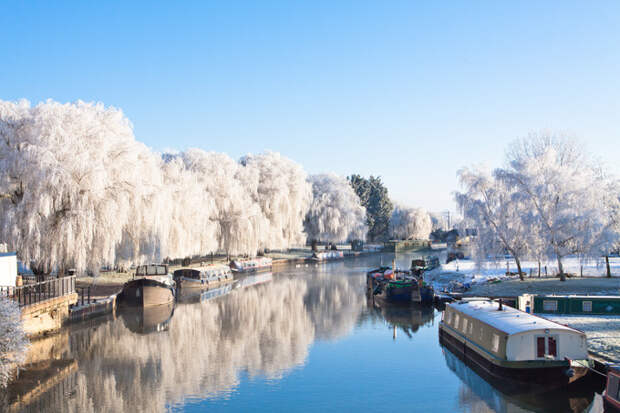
{"type": "Point", "coordinates": [612, 391]}
{"type": "Point", "coordinates": [210, 274]}
{"type": "Point", "coordinates": [505, 333]}
{"type": "Point", "coordinates": [151, 270]}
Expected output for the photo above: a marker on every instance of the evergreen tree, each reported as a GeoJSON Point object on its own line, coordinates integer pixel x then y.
{"type": "Point", "coordinates": [374, 197]}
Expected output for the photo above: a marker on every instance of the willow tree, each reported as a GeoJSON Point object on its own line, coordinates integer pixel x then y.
{"type": "Point", "coordinates": [71, 176]}
{"type": "Point", "coordinates": [410, 223]}
{"type": "Point", "coordinates": [335, 213]}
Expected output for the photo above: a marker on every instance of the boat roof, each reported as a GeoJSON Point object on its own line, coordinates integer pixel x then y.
{"type": "Point", "coordinates": [577, 296]}
{"type": "Point", "coordinates": [509, 320]}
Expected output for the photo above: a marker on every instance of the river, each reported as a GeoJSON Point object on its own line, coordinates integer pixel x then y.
{"type": "Point", "coordinates": [306, 339]}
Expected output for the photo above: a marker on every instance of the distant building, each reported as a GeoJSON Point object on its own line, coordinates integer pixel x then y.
{"type": "Point", "coordinates": [8, 269]}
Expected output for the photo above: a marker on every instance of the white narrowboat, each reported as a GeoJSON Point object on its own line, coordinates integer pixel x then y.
{"type": "Point", "coordinates": [208, 276]}
{"type": "Point", "coordinates": [251, 265]}
{"type": "Point", "coordinates": [505, 343]}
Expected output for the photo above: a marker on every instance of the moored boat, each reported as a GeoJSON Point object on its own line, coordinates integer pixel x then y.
{"type": "Point", "coordinates": [398, 286]}
{"type": "Point", "coordinates": [611, 396]}
{"type": "Point", "coordinates": [327, 255]}
{"type": "Point", "coordinates": [251, 265]}
{"type": "Point", "coordinates": [151, 285]}
{"type": "Point", "coordinates": [205, 277]}
{"type": "Point", "coordinates": [506, 343]}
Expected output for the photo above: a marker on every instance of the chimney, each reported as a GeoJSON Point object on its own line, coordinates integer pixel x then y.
{"type": "Point", "coordinates": [501, 307]}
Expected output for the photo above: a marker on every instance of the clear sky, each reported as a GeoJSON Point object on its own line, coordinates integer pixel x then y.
{"type": "Point", "coordinates": [410, 90]}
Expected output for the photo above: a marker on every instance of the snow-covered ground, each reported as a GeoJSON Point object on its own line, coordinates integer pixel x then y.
{"type": "Point", "coordinates": [603, 332]}
{"type": "Point", "coordinates": [468, 272]}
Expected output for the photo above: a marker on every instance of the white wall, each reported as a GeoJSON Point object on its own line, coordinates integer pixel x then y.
{"type": "Point", "coordinates": [8, 269]}
{"type": "Point", "coordinates": [522, 346]}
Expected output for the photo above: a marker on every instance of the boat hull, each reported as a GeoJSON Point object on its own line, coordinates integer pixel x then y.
{"type": "Point", "coordinates": [251, 270]}
{"type": "Point", "coordinates": [146, 292]}
{"type": "Point", "coordinates": [536, 377]}
{"type": "Point", "coordinates": [203, 284]}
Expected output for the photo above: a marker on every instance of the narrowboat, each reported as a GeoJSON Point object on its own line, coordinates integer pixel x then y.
{"type": "Point", "coordinates": [570, 304]}
{"type": "Point", "coordinates": [506, 343]}
{"type": "Point", "coordinates": [251, 265]}
{"type": "Point", "coordinates": [203, 277]}
{"type": "Point", "coordinates": [398, 286]}
{"type": "Point", "coordinates": [151, 285]}
{"type": "Point", "coordinates": [611, 395]}
{"type": "Point", "coordinates": [327, 255]}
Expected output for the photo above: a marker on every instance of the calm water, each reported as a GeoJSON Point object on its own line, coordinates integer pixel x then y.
{"type": "Point", "coordinates": [304, 340]}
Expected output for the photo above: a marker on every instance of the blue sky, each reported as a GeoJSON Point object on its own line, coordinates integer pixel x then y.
{"type": "Point", "coordinates": [410, 91]}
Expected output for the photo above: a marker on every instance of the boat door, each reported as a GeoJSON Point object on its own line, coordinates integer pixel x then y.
{"type": "Point", "coordinates": [547, 347]}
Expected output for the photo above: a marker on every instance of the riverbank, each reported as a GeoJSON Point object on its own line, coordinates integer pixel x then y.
{"type": "Point", "coordinates": [512, 287]}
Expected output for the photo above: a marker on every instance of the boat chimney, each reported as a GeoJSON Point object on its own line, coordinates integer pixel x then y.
{"type": "Point", "coordinates": [501, 306]}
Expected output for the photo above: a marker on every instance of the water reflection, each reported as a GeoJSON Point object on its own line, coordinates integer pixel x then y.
{"type": "Point", "coordinates": [479, 395]}
{"type": "Point", "coordinates": [148, 359]}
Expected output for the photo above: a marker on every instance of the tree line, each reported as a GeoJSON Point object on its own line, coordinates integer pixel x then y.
{"type": "Point", "coordinates": [550, 200]}
{"type": "Point", "coordinates": [77, 190]}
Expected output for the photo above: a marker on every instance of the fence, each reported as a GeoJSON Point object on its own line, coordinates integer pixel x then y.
{"type": "Point", "coordinates": [37, 292]}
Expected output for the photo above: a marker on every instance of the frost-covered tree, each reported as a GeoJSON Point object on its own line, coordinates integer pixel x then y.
{"type": "Point", "coordinates": [496, 209]}
{"type": "Point", "coordinates": [335, 213]}
{"type": "Point", "coordinates": [283, 195]}
{"type": "Point", "coordinates": [13, 341]}
{"type": "Point", "coordinates": [71, 178]}
{"type": "Point", "coordinates": [555, 176]}
{"type": "Point", "coordinates": [410, 223]}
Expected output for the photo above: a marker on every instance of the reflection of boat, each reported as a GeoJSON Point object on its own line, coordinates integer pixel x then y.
{"type": "Point", "coordinates": [612, 391]}
{"type": "Point", "coordinates": [250, 280]}
{"type": "Point", "coordinates": [503, 396]}
{"type": "Point", "coordinates": [508, 343]}
{"type": "Point", "coordinates": [195, 295]}
{"type": "Point", "coordinates": [148, 319]}
{"type": "Point", "coordinates": [205, 277]}
{"type": "Point", "coordinates": [408, 317]}
{"type": "Point", "coordinates": [251, 265]}
{"type": "Point", "coordinates": [398, 286]}
{"type": "Point", "coordinates": [151, 285]}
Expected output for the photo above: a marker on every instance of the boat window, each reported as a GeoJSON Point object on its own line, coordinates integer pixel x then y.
{"type": "Point", "coordinates": [496, 343]}
{"type": "Point", "coordinates": [540, 347]}
{"type": "Point", "coordinates": [456, 321]}
{"type": "Point", "coordinates": [481, 333]}
{"type": "Point", "coordinates": [471, 328]}
{"type": "Point", "coordinates": [553, 346]}
{"type": "Point", "coordinates": [587, 306]}
{"type": "Point", "coordinates": [550, 305]}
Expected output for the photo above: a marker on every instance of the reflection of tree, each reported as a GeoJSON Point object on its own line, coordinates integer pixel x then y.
{"type": "Point", "coordinates": [334, 303]}
{"type": "Point", "coordinates": [263, 330]}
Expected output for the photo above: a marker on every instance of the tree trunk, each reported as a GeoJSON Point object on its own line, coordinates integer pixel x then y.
{"type": "Point", "coordinates": [607, 264]}
{"type": "Point", "coordinates": [561, 269]}
{"type": "Point", "coordinates": [519, 267]}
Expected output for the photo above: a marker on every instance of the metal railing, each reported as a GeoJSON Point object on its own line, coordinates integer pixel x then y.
{"type": "Point", "coordinates": [35, 293]}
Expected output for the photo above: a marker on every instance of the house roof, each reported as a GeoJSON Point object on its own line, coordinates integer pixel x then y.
{"type": "Point", "coordinates": [509, 320]}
